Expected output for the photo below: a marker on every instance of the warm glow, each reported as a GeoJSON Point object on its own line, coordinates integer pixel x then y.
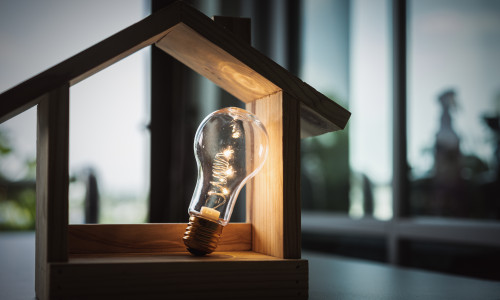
{"type": "Point", "coordinates": [228, 153]}
{"type": "Point", "coordinates": [210, 213]}
{"type": "Point", "coordinates": [236, 132]}
{"type": "Point", "coordinates": [239, 75]}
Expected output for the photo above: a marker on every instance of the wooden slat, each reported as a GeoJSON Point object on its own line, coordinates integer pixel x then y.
{"type": "Point", "coordinates": [89, 61]}
{"type": "Point", "coordinates": [52, 181]}
{"type": "Point", "coordinates": [214, 63]}
{"type": "Point", "coordinates": [168, 257]}
{"type": "Point", "coordinates": [147, 238]}
{"type": "Point", "coordinates": [231, 275]}
{"type": "Point", "coordinates": [291, 177]}
{"type": "Point", "coordinates": [274, 193]}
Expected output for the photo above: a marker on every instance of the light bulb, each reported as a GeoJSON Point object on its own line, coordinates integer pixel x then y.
{"type": "Point", "coordinates": [230, 147]}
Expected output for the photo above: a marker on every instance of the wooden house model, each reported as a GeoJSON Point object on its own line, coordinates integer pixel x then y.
{"type": "Point", "coordinates": [258, 259]}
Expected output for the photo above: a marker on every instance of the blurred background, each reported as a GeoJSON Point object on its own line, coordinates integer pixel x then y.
{"type": "Point", "coordinates": [414, 180]}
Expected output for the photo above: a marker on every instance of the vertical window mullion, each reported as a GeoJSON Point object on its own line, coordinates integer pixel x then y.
{"type": "Point", "coordinates": [400, 165]}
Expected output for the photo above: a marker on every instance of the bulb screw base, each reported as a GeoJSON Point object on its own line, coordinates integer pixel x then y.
{"type": "Point", "coordinates": [202, 236]}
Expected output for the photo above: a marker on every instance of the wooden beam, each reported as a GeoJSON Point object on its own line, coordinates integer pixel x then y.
{"type": "Point", "coordinates": [239, 26]}
{"type": "Point", "coordinates": [230, 62]}
{"type": "Point", "coordinates": [274, 193]}
{"type": "Point", "coordinates": [224, 275]}
{"type": "Point", "coordinates": [147, 238]}
{"type": "Point", "coordinates": [212, 62]}
{"type": "Point", "coordinates": [52, 181]}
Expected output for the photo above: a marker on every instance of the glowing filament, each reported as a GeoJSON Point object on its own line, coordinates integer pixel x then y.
{"type": "Point", "coordinates": [227, 153]}
{"type": "Point", "coordinates": [235, 131]}
{"type": "Point", "coordinates": [221, 170]}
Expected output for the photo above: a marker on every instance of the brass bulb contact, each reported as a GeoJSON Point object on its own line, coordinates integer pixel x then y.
{"type": "Point", "coordinates": [202, 235]}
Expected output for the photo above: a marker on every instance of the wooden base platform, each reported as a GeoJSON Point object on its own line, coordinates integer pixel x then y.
{"type": "Point", "coordinates": [221, 275]}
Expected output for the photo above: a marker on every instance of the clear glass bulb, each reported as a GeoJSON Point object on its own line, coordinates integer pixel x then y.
{"type": "Point", "coordinates": [230, 147]}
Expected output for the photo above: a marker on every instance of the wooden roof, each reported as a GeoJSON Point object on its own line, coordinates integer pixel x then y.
{"type": "Point", "coordinates": [201, 44]}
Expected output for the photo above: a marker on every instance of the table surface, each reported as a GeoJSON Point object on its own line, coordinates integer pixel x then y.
{"type": "Point", "coordinates": [330, 277]}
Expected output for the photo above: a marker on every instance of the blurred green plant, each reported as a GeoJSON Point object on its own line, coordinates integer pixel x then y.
{"type": "Point", "coordinates": [17, 197]}
{"type": "Point", "coordinates": [325, 171]}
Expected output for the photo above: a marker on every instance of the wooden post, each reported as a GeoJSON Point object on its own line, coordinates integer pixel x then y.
{"type": "Point", "coordinates": [274, 193]}
{"type": "Point", "coordinates": [52, 180]}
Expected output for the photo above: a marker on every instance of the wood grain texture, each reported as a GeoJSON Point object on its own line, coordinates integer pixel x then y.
{"type": "Point", "coordinates": [292, 242]}
{"type": "Point", "coordinates": [52, 181]}
{"type": "Point", "coordinates": [274, 193]}
{"type": "Point", "coordinates": [147, 238]}
{"type": "Point", "coordinates": [169, 257]}
{"type": "Point", "coordinates": [212, 62]}
{"type": "Point", "coordinates": [231, 275]}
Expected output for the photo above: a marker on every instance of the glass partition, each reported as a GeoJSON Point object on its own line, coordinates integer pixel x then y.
{"type": "Point", "coordinates": [346, 57]}
{"type": "Point", "coordinates": [454, 108]}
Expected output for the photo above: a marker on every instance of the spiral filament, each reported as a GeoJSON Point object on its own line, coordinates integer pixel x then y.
{"type": "Point", "coordinates": [235, 131]}
{"type": "Point", "coordinates": [221, 170]}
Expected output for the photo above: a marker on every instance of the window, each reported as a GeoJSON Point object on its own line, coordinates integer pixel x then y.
{"type": "Point", "coordinates": [324, 65]}
{"type": "Point", "coordinates": [454, 108]}
{"type": "Point", "coordinates": [345, 56]}
{"type": "Point", "coordinates": [46, 25]}
{"type": "Point", "coordinates": [443, 135]}
{"type": "Point", "coordinates": [109, 143]}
